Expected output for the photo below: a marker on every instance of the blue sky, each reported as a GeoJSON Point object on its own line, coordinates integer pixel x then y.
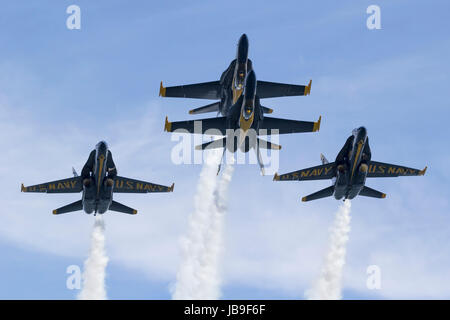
{"type": "Point", "coordinates": [63, 90]}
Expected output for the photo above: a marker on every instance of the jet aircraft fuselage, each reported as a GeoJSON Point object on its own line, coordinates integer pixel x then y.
{"type": "Point", "coordinates": [98, 196]}
{"type": "Point", "coordinates": [98, 182]}
{"type": "Point", "coordinates": [349, 171]}
{"type": "Point", "coordinates": [351, 180]}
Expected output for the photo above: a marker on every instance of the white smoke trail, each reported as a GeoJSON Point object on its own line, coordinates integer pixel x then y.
{"type": "Point", "coordinates": [95, 265]}
{"type": "Point", "coordinates": [199, 276]}
{"type": "Point", "coordinates": [328, 286]}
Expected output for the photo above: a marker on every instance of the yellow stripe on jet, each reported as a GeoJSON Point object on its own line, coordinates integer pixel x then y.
{"type": "Point", "coordinates": [360, 144]}
{"type": "Point", "coordinates": [236, 94]}
{"type": "Point", "coordinates": [246, 124]}
{"type": "Point", "coordinates": [101, 158]}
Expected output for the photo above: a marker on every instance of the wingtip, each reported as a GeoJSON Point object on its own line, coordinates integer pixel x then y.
{"type": "Point", "coordinates": [171, 187]}
{"type": "Point", "coordinates": [422, 172]}
{"type": "Point", "coordinates": [23, 188]}
{"type": "Point", "coordinates": [162, 90]}
{"type": "Point", "coordinates": [383, 196]}
{"type": "Point", "coordinates": [134, 211]}
{"type": "Point", "coordinates": [191, 111]}
{"type": "Point", "coordinates": [308, 88]}
{"type": "Point", "coordinates": [317, 124]}
{"type": "Point", "coordinates": [55, 211]}
{"type": "Point", "coordinates": [167, 125]}
{"type": "Point", "coordinates": [304, 199]}
{"type": "Point", "coordinates": [276, 177]}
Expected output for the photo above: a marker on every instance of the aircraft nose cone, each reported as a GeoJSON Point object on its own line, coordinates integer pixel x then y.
{"type": "Point", "coordinates": [102, 147]}
{"type": "Point", "coordinates": [242, 54]}
{"type": "Point", "coordinates": [362, 131]}
{"type": "Point", "coordinates": [250, 85]}
{"type": "Point", "coordinates": [243, 38]}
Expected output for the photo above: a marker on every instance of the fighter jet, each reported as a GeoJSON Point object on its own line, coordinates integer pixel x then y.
{"type": "Point", "coordinates": [231, 85]}
{"type": "Point", "coordinates": [349, 172]}
{"type": "Point", "coordinates": [98, 182]}
{"type": "Point", "coordinates": [242, 123]}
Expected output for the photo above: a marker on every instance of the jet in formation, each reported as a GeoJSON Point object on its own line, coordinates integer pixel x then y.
{"type": "Point", "coordinates": [352, 166]}
{"type": "Point", "coordinates": [98, 182]}
{"type": "Point", "coordinates": [242, 115]}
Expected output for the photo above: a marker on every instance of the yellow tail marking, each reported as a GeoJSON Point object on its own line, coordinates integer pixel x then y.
{"type": "Point", "coordinates": [162, 90]}
{"type": "Point", "coordinates": [422, 172]}
{"type": "Point", "coordinates": [316, 126]}
{"type": "Point", "coordinates": [168, 125]}
{"type": "Point", "coordinates": [308, 88]}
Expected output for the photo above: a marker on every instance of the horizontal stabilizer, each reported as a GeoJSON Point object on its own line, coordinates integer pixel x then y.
{"type": "Point", "coordinates": [285, 126]}
{"type": "Point", "coordinates": [210, 126]}
{"type": "Point", "coordinates": [116, 206]}
{"type": "Point", "coordinates": [263, 144]}
{"type": "Point", "coordinates": [327, 192]}
{"type": "Point", "coordinates": [75, 206]}
{"type": "Point", "coordinates": [266, 110]}
{"type": "Point", "coordinates": [267, 89]}
{"type": "Point", "coordinates": [127, 185]}
{"type": "Point", "coordinates": [205, 90]}
{"type": "Point", "coordinates": [369, 192]}
{"type": "Point", "coordinates": [215, 144]}
{"type": "Point", "coordinates": [213, 107]}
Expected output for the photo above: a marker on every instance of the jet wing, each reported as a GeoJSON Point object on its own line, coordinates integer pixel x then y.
{"type": "Point", "coordinates": [127, 185]}
{"type": "Point", "coordinates": [384, 170]}
{"type": "Point", "coordinates": [285, 126]}
{"type": "Point", "coordinates": [214, 126]}
{"type": "Point", "coordinates": [265, 89]}
{"type": "Point", "coordinates": [70, 185]}
{"type": "Point", "coordinates": [322, 172]}
{"type": "Point", "coordinates": [205, 90]}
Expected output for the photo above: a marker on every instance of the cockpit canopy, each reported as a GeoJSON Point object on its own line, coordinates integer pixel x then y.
{"type": "Point", "coordinates": [359, 134]}
{"type": "Point", "coordinates": [101, 148]}
{"type": "Point", "coordinates": [240, 76]}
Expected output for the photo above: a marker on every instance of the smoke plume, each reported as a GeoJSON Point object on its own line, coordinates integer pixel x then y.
{"type": "Point", "coordinates": [95, 265]}
{"type": "Point", "coordinates": [328, 286]}
{"type": "Point", "coordinates": [199, 273]}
